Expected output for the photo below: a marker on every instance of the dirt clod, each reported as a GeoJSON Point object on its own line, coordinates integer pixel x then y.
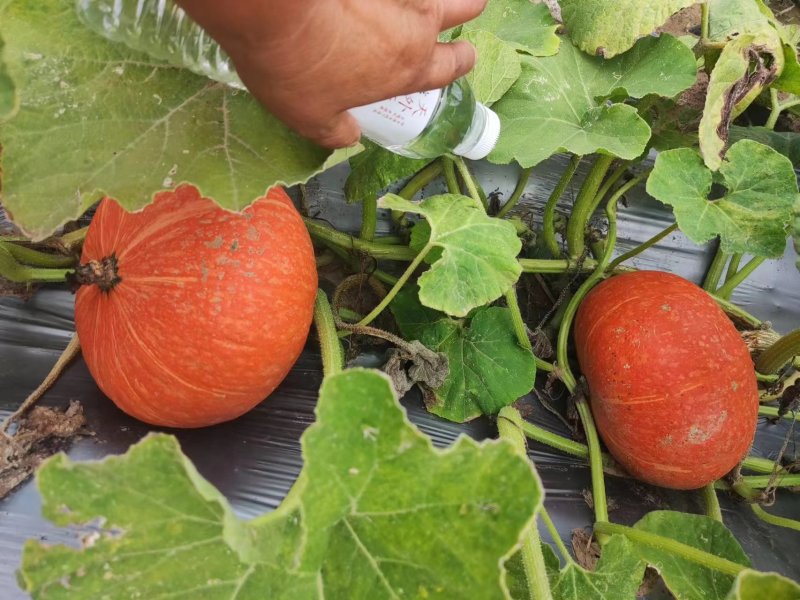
{"type": "Point", "coordinates": [42, 433]}
{"type": "Point", "coordinates": [585, 548]}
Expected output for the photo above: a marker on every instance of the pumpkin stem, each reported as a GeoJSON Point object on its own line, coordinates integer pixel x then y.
{"type": "Point", "coordinates": [103, 273]}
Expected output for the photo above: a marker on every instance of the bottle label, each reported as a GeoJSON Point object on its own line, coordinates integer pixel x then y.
{"type": "Point", "coordinates": [398, 120]}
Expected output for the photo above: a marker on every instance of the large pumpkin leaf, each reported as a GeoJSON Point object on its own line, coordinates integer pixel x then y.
{"type": "Point", "coordinates": [498, 66]}
{"type": "Point", "coordinates": [488, 368]}
{"type": "Point", "coordinates": [751, 216]}
{"type": "Point", "coordinates": [746, 65]}
{"type": "Point", "coordinates": [559, 102]}
{"type": "Point", "coordinates": [8, 91]}
{"type": "Point", "coordinates": [526, 26]}
{"type": "Point", "coordinates": [685, 579]}
{"type": "Point", "coordinates": [610, 27]}
{"type": "Point", "coordinates": [373, 170]}
{"type": "Point", "coordinates": [378, 512]}
{"type": "Point", "coordinates": [478, 261]}
{"type": "Point", "coordinates": [752, 585]}
{"type": "Point", "coordinates": [97, 118]}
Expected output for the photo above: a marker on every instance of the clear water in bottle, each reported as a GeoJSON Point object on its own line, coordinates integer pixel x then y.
{"type": "Point", "coordinates": [422, 125]}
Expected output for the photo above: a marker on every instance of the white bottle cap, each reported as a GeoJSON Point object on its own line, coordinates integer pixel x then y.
{"type": "Point", "coordinates": [487, 139]}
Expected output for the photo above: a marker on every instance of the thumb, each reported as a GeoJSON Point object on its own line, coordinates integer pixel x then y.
{"type": "Point", "coordinates": [340, 131]}
{"type": "Point", "coordinates": [448, 62]}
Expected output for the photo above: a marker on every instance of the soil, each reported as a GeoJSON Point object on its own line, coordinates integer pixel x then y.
{"type": "Point", "coordinates": [42, 433]}
{"type": "Point", "coordinates": [10, 289]}
{"type": "Point", "coordinates": [786, 10]}
{"type": "Point", "coordinates": [682, 22]}
{"type": "Point", "coordinates": [585, 548]}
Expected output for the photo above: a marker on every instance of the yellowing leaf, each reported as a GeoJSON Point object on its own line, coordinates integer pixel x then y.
{"type": "Point", "coordinates": [740, 73]}
{"type": "Point", "coordinates": [478, 262]}
{"type": "Point", "coordinates": [754, 212]}
{"type": "Point", "coordinates": [8, 91]}
{"type": "Point", "coordinates": [610, 27]}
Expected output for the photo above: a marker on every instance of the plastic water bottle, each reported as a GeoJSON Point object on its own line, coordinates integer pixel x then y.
{"type": "Point", "coordinates": [422, 125]}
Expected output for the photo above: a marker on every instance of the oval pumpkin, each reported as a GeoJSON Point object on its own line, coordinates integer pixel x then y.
{"type": "Point", "coordinates": [672, 384]}
{"type": "Point", "coordinates": [203, 311]}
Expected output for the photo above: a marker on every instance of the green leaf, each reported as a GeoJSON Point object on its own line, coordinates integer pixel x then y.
{"type": "Point", "coordinates": [96, 119]}
{"type": "Point", "coordinates": [9, 103]}
{"type": "Point", "coordinates": [528, 27]}
{"type": "Point", "coordinates": [686, 579]}
{"type": "Point", "coordinates": [542, 114]}
{"type": "Point", "coordinates": [618, 574]}
{"type": "Point", "coordinates": [488, 368]}
{"type": "Point", "coordinates": [375, 169]}
{"type": "Point", "coordinates": [752, 215]}
{"type": "Point", "coordinates": [609, 27]}
{"type": "Point", "coordinates": [384, 514]}
{"type": "Point", "coordinates": [498, 66]}
{"type": "Point", "coordinates": [752, 585]}
{"type": "Point", "coordinates": [739, 75]}
{"type": "Point", "coordinates": [785, 142]}
{"type": "Point", "coordinates": [478, 262]}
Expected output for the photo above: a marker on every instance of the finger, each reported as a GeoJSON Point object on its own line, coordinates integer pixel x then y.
{"type": "Point", "coordinates": [456, 12]}
{"type": "Point", "coordinates": [340, 132]}
{"type": "Point", "coordinates": [448, 62]}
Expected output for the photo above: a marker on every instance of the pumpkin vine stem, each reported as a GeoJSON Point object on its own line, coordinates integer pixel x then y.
{"type": "Point", "coordinates": [685, 551]}
{"type": "Point", "coordinates": [509, 426]}
{"type": "Point", "coordinates": [330, 347]}
{"type": "Point", "coordinates": [397, 286]}
{"type": "Point", "coordinates": [549, 216]}
{"type": "Point", "coordinates": [369, 218]}
{"type": "Point", "coordinates": [711, 502]}
{"type": "Point", "coordinates": [773, 359]}
{"type": "Point", "coordinates": [450, 177]}
{"type": "Point", "coordinates": [595, 456]}
{"type": "Point", "coordinates": [516, 195]}
{"type": "Point", "coordinates": [585, 204]}
{"type": "Point", "coordinates": [103, 273]}
{"type": "Point", "coordinates": [715, 271]}
{"type": "Point", "coordinates": [551, 527]}
{"type": "Point", "coordinates": [642, 247]}
{"type": "Point", "coordinates": [737, 278]}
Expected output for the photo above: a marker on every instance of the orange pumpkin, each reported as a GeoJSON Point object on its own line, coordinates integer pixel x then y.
{"type": "Point", "coordinates": [672, 386]}
{"type": "Point", "coordinates": [195, 313]}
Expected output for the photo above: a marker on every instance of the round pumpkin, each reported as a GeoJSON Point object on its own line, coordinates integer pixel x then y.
{"type": "Point", "coordinates": [191, 314]}
{"type": "Point", "coordinates": [672, 385]}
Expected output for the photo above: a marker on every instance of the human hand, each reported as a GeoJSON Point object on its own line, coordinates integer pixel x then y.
{"type": "Point", "coordinates": [309, 61]}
